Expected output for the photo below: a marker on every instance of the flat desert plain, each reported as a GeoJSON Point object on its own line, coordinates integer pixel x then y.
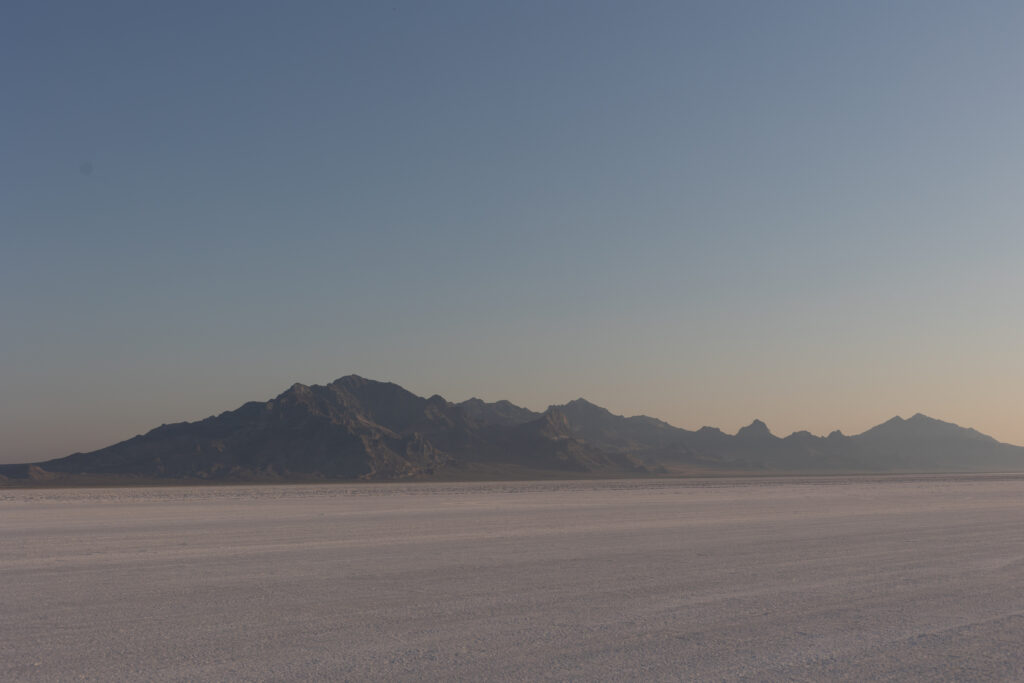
{"type": "Point", "coordinates": [856, 578]}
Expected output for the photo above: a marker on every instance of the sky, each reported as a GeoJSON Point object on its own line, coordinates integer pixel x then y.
{"type": "Point", "coordinates": [708, 212]}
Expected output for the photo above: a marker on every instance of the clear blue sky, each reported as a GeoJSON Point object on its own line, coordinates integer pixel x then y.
{"type": "Point", "coordinates": [806, 212]}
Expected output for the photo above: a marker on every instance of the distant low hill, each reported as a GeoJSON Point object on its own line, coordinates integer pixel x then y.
{"type": "Point", "coordinates": [359, 429]}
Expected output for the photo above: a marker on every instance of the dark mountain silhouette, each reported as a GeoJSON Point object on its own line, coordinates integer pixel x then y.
{"type": "Point", "coordinates": [755, 431]}
{"type": "Point", "coordinates": [549, 443]}
{"type": "Point", "coordinates": [922, 441]}
{"type": "Point", "coordinates": [615, 432]}
{"type": "Point", "coordinates": [356, 428]}
{"type": "Point", "coordinates": [498, 413]}
{"type": "Point", "coordinates": [352, 428]}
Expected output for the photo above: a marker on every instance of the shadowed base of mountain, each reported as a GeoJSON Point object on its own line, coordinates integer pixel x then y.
{"type": "Point", "coordinates": [356, 429]}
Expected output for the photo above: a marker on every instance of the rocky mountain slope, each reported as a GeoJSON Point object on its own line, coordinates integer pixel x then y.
{"type": "Point", "coordinates": [356, 428]}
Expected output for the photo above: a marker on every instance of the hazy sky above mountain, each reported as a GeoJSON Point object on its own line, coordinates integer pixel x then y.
{"type": "Point", "coordinates": [805, 212]}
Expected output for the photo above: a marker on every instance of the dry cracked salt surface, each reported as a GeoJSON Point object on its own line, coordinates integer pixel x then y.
{"type": "Point", "coordinates": [859, 578]}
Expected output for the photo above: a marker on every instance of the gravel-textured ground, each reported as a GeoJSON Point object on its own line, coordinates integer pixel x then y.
{"type": "Point", "coordinates": [918, 578]}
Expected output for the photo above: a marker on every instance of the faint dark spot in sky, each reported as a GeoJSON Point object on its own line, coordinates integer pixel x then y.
{"type": "Point", "coordinates": [86, 168]}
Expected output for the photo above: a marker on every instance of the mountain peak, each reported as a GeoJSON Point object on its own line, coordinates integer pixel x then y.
{"type": "Point", "coordinates": [498, 413]}
{"type": "Point", "coordinates": [297, 390]}
{"type": "Point", "coordinates": [354, 380]}
{"type": "Point", "coordinates": [581, 403]}
{"type": "Point", "coordinates": [581, 408]}
{"type": "Point", "coordinates": [756, 429]}
{"type": "Point", "coordinates": [921, 426]}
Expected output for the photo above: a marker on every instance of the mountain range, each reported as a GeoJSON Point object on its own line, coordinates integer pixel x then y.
{"type": "Point", "coordinates": [359, 429]}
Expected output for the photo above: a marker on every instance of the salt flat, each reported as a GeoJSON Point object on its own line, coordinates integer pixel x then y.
{"type": "Point", "coordinates": [899, 578]}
